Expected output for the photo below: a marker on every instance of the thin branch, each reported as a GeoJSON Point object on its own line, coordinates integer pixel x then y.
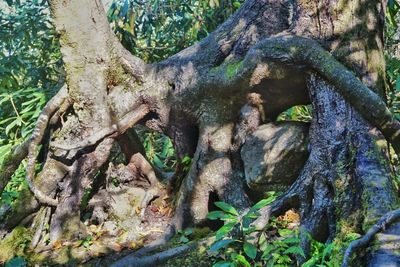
{"type": "Point", "coordinates": [381, 225]}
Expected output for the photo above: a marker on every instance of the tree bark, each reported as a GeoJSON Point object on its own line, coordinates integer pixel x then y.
{"type": "Point", "coordinates": [270, 55]}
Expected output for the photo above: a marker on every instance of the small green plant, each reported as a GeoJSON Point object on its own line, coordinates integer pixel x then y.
{"type": "Point", "coordinates": [86, 242]}
{"type": "Point", "coordinates": [277, 250]}
{"type": "Point", "coordinates": [184, 235]}
{"type": "Point", "coordinates": [186, 162]}
{"type": "Point", "coordinates": [159, 150]}
{"type": "Point", "coordinates": [329, 254]}
{"type": "Point", "coordinates": [297, 113]}
{"type": "Point", "coordinates": [239, 243]}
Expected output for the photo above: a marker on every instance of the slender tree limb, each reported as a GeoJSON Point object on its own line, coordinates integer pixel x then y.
{"type": "Point", "coordinates": [35, 140]}
{"type": "Point", "coordinates": [128, 121]}
{"type": "Point", "coordinates": [382, 223]}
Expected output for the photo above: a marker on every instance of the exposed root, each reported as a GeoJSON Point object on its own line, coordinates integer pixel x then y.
{"type": "Point", "coordinates": [35, 140]}
{"type": "Point", "coordinates": [295, 50]}
{"type": "Point", "coordinates": [41, 219]}
{"type": "Point", "coordinates": [66, 219]}
{"type": "Point", "coordinates": [139, 260]}
{"type": "Point", "coordinates": [128, 121]}
{"type": "Point", "coordinates": [381, 225]}
{"type": "Point", "coordinates": [296, 190]}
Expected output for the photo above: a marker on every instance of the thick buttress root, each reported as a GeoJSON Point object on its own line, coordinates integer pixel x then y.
{"type": "Point", "coordinates": [211, 172]}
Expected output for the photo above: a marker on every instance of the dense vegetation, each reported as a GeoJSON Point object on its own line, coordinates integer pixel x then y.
{"type": "Point", "coordinates": [31, 71]}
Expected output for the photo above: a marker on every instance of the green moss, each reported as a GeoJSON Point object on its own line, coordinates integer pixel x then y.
{"type": "Point", "coordinates": [199, 233]}
{"type": "Point", "coordinates": [196, 258]}
{"type": "Point", "coordinates": [15, 244]}
{"type": "Point", "coordinates": [232, 68]}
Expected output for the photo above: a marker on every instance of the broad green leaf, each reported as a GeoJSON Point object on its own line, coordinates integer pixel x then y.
{"type": "Point", "coordinates": [241, 259]}
{"type": "Point", "coordinates": [268, 251]}
{"type": "Point", "coordinates": [249, 230]}
{"type": "Point", "coordinates": [250, 250]}
{"type": "Point", "coordinates": [222, 264]}
{"type": "Point", "coordinates": [264, 202]}
{"type": "Point", "coordinates": [220, 244]}
{"type": "Point", "coordinates": [215, 215]}
{"type": "Point", "coordinates": [285, 232]}
{"type": "Point", "coordinates": [224, 230]}
{"type": "Point", "coordinates": [226, 207]}
{"type": "Point", "coordinates": [12, 125]}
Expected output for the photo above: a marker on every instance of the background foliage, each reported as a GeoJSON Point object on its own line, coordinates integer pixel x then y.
{"type": "Point", "coordinates": [30, 68]}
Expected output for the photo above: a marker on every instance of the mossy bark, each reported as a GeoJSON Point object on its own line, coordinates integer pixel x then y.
{"type": "Point", "coordinates": [273, 49]}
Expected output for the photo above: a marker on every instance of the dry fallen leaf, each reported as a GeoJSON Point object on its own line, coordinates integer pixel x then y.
{"type": "Point", "coordinates": [57, 244]}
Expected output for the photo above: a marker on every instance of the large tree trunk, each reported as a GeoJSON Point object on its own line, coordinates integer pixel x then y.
{"type": "Point", "coordinates": [269, 56]}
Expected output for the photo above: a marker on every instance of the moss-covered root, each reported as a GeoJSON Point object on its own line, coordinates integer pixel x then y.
{"type": "Point", "coordinates": [162, 256]}
{"type": "Point", "coordinates": [15, 243]}
{"type": "Point", "coordinates": [382, 224]}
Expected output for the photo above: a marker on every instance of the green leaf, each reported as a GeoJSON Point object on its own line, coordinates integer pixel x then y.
{"type": "Point", "coordinates": [222, 264]}
{"type": "Point", "coordinates": [291, 240]}
{"type": "Point", "coordinates": [249, 230]}
{"type": "Point", "coordinates": [16, 262]}
{"type": "Point", "coordinates": [226, 207]}
{"type": "Point", "coordinates": [268, 251]}
{"type": "Point", "coordinates": [215, 215]}
{"type": "Point", "coordinates": [188, 231]}
{"type": "Point", "coordinates": [284, 259]}
{"type": "Point", "coordinates": [183, 239]}
{"type": "Point", "coordinates": [250, 250]}
{"type": "Point", "coordinates": [327, 251]}
{"type": "Point", "coordinates": [158, 162]}
{"type": "Point", "coordinates": [11, 125]}
{"type": "Point", "coordinates": [236, 4]}
{"type": "Point", "coordinates": [285, 232]}
{"type": "Point", "coordinates": [224, 230]}
{"type": "Point", "coordinates": [4, 151]}
{"type": "Point", "coordinates": [220, 244]}
{"type": "Point", "coordinates": [310, 263]}
{"type": "Point", "coordinates": [264, 202]}
{"type": "Point", "coordinates": [397, 86]}
{"type": "Point", "coordinates": [295, 250]}
{"type": "Point", "coordinates": [241, 259]}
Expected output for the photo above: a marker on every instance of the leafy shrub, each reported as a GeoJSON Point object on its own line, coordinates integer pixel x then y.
{"type": "Point", "coordinates": [236, 244]}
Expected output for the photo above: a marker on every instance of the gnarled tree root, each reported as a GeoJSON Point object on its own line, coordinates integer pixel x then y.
{"type": "Point", "coordinates": [51, 107]}
{"type": "Point", "coordinates": [139, 260]}
{"type": "Point", "coordinates": [382, 223]}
